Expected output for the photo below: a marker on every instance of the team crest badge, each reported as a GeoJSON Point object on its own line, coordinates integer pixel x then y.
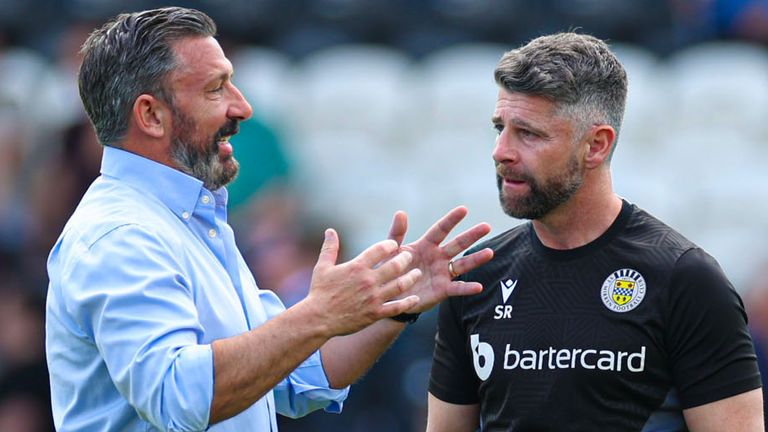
{"type": "Point", "coordinates": [623, 290]}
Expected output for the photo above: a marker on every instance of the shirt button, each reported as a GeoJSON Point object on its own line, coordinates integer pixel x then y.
{"type": "Point", "coordinates": [185, 215]}
{"type": "Point", "coordinates": [211, 233]}
{"type": "Point", "coordinates": [206, 199]}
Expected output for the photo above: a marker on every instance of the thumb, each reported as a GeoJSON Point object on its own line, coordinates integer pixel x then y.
{"type": "Point", "coordinates": [329, 252]}
{"type": "Point", "coordinates": [399, 227]}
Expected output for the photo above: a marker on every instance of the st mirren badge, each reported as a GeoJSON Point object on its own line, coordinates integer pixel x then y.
{"type": "Point", "coordinates": [623, 290]}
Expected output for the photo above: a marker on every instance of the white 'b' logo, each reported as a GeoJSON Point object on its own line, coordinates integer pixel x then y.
{"type": "Point", "coordinates": [481, 353]}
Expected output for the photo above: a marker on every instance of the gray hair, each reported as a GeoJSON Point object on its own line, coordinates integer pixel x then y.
{"type": "Point", "coordinates": [578, 73]}
{"type": "Point", "coordinates": [129, 56]}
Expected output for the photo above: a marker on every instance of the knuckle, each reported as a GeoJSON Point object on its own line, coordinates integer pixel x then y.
{"type": "Point", "coordinates": [355, 267]}
{"type": "Point", "coordinates": [402, 284]}
{"type": "Point", "coordinates": [367, 281]}
{"type": "Point", "coordinates": [398, 265]}
{"type": "Point", "coordinates": [386, 247]}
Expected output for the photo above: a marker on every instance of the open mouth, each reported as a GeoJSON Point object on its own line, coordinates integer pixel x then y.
{"type": "Point", "coordinates": [224, 147]}
{"type": "Point", "coordinates": [513, 181]}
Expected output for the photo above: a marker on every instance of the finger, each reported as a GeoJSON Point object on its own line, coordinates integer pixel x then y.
{"type": "Point", "coordinates": [377, 253]}
{"type": "Point", "coordinates": [440, 229]}
{"type": "Point", "coordinates": [396, 307]}
{"type": "Point", "coordinates": [394, 267]}
{"type": "Point", "coordinates": [472, 261]}
{"type": "Point", "coordinates": [466, 239]}
{"type": "Point", "coordinates": [329, 252]}
{"type": "Point", "coordinates": [400, 285]}
{"type": "Point", "coordinates": [461, 288]}
{"type": "Point", "coordinates": [399, 227]}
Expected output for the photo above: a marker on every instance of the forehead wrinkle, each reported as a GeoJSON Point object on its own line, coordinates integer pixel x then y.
{"type": "Point", "coordinates": [195, 56]}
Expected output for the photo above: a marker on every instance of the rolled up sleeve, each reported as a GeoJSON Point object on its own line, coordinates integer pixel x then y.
{"type": "Point", "coordinates": [306, 389]}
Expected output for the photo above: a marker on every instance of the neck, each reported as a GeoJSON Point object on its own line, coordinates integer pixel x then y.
{"type": "Point", "coordinates": [581, 219]}
{"type": "Point", "coordinates": [156, 149]}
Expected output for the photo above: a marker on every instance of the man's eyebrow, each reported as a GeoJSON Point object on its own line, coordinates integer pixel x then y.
{"type": "Point", "coordinates": [223, 75]}
{"type": "Point", "coordinates": [521, 124]}
{"type": "Point", "coordinates": [496, 119]}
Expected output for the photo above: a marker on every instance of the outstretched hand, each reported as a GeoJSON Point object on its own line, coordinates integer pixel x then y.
{"type": "Point", "coordinates": [352, 295]}
{"type": "Point", "coordinates": [436, 282]}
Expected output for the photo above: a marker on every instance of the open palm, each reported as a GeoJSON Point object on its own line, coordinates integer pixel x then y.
{"type": "Point", "coordinates": [436, 282]}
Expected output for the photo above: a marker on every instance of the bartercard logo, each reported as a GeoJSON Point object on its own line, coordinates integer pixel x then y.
{"type": "Point", "coordinates": [482, 357]}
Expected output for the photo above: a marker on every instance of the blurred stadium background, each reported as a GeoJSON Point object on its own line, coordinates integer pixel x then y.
{"type": "Point", "coordinates": [364, 107]}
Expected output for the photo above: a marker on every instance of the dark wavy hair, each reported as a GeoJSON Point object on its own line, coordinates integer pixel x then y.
{"type": "Point", "coordinates": [129, 56]}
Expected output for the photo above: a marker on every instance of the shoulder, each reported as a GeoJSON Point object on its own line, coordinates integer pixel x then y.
{"type": "Point", "coordinates": [647, 230]}
{"type": "Point", "coordinates": [699, 271]}
{"type": "Point", "coordinates": [110, 206]}
{"type": "Point", "coordinates": [510, 238]}
{"type": "Point", "coordinates": [112, 221]}
{"type": "Point", "coordinates": [648, 242]}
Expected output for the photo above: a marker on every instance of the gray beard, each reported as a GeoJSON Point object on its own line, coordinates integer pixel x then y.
{"type": "Point", "coordinates": [542, 198]}
{"type": "Point", "coordinates": [204, 166]}
{"type": "Point", "coordinates": [202, 161]}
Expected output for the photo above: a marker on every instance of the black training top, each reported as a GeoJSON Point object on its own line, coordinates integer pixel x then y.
{"type": "Point", "coordinates": [620, 334]}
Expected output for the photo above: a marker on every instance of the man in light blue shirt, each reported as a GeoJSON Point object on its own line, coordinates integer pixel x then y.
{"type": "Point", "coordinates": [154, 322]}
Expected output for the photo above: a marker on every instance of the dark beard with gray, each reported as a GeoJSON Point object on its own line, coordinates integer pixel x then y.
{"type": "Point", "coordinates": [201, 160]}
{"type": "Point", "coordinates": [542, 198]}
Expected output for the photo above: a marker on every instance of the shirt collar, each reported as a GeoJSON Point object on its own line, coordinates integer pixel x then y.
{"type": "Point", "coordinates": [180, 192]}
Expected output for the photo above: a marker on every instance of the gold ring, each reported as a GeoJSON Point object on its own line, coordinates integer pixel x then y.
{"type": "Point", "coordinates": [451, 271]}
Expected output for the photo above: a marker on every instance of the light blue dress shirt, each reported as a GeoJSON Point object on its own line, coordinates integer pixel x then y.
{"type": "Point", "coordinates": [145, 276]}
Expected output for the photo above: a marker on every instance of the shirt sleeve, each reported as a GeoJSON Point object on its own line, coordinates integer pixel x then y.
{"type": "Point", "coordinates": [306, 389]}
{"type": "Point", "coordinates": [126, 292]}
{"type": "Point", "coordinates": [710, 348]}
{"type": "Point", "coordinates": [452, 378]}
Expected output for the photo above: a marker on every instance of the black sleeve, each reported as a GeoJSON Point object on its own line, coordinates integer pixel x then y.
{"type": "Point", "coordinates": [453, 377]}
{"type": "Point", "coordinates": [710, 348]}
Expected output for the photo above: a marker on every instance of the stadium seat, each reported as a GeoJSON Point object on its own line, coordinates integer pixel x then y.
{"type": "Point", "coordinates": [263, 75]}
{"type": "Point", "coordinates": [455, 87]}
{"type": "Point", "coordinates": [723, 84]}
{"type": "Point", "coordinates": [351, 88]}
{"type": "Point", "coordinates": [646, 98]}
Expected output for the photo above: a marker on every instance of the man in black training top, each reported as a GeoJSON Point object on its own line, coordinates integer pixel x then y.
{"type": "Point", "coordinates": [595, 315]}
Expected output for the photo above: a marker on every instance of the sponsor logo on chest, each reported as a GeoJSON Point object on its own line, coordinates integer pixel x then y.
{"type": "Point", "coordinates": [484, 358]}
{"type": "Point", "coordinates": [622, 291]}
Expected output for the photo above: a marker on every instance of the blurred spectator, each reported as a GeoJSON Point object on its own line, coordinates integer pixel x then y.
{"type": "Point", "coordinates": [61, 177]}
{"type": "Point", "coordinates": [262, 160]}
{"type": "Point", "coordinates": [704, 20]}
{"type": "Point", "coordinates": [756, 304]}
{"type": "Point", "coordinates": [280, 243]}
{"type": "Point", "coordinates": [742, 19]}
{"type": "Point", "coordinates": [24, 392]}
{"type": "Point", "coordinates": [57, 90]}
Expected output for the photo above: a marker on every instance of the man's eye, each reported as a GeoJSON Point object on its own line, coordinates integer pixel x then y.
{"type": "Point", "coordinates": [526, 134]}
{"type": "Point", "coordinates": [498, 128]}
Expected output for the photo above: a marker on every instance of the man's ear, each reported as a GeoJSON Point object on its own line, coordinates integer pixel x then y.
{"type": "Point", "coordinates": [600, 140]}
{"type": "Point", "coordinates": [151, 116]}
